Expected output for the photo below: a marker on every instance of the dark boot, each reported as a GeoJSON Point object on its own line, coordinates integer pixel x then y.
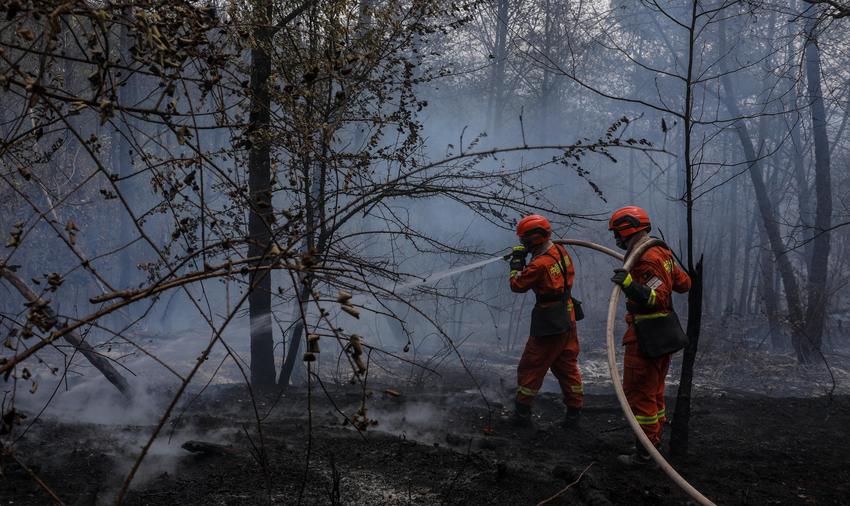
{"type": "Point", "coordinates": [640, 457]}
{"type": "Point", "coordinates": [522, 416]}
{"type": "Point", "coordinates": [571, 418]}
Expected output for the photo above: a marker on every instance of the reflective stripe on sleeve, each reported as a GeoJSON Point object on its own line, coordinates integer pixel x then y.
{"type": "Point", "coordinates": [577, 389]}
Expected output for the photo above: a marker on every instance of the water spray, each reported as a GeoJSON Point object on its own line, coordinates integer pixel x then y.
{"type": "Point", "coordinates": [432, 278]}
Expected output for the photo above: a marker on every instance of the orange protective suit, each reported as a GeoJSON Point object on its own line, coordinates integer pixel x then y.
{"type": "Point", "coordinates": [556, 352]}
{"type": "Point", "coordinates": [644, 378]}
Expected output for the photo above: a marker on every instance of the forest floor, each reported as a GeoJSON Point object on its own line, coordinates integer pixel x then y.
{"type": "Point", "coordinates": [432, 445]}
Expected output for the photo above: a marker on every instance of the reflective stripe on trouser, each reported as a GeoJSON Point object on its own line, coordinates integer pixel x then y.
{"type": "Point", "coordinates": [643, 383]}
{"type": "Point", "coordinates": [558, 353]}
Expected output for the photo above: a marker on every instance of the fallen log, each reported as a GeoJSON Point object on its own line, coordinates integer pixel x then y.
{"type": "Point", "coordinates": [208, 448]}
{"type": "Point", "coordinates": [50, 320]}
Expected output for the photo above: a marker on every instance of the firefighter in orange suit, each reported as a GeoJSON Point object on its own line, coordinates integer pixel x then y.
{"type": "Point", "coordinates": [648, 287]}
{"type": "Point", "coordinates": [553, 341]}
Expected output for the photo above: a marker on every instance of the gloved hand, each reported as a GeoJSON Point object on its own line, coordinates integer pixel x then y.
{"type": "Point", "coordinates": [635, 291]}
{"type": "Point", "coordinates": [622, 277]}
{"type": "Point", "coordinates": [517, 261]}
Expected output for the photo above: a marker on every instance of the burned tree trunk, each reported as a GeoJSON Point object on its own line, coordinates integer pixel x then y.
{"type": "Point", "coordinates": [295, 335]}
{"type": "Point", "coordinates": [769, 295]}
{"type": "Point", "coordinates": [497, 76]}
{"type": "Point", "coordinates": [682, 414]}
{"type": "Point", "coordinates": [731, 272]}
{"type": "Point", "coordinates": [743, 297]}
{"type": "Point", "coordinates": [679, 436]}
{"type": "Point", "coordinates": [819, 260]}
{"type": "Point", "coordinates": [771, 227]}
{"type": "Point", "coordinates": [259, 185]}
{"type": "Point", "coordinates": [122, 161]}
{"type": "Point", "coordinates": [804, 201]}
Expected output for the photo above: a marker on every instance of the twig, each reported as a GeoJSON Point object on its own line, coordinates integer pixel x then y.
{"type": "Point", "coordinates": [564, 490]}
{"type": "Point", "coordinates": [522, 125]}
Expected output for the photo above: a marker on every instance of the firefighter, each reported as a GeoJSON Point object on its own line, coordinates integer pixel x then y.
{"type": "Point", "coordinates": [553, 341]}
{"type": "Point", "coordinates": [648, 288]}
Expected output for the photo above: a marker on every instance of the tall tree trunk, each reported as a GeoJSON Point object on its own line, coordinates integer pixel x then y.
{"type": "Point", "coordinates": [804, 201]}
{"type": "Point", "coordinates": [495, 104]}
{"type": "Point", "coordinates": [316, 172]}
{"type": "Point", "coordinates": [679, 436]}
{"type": "Point", "coordinates": [122, 164]}
{"type": "Point", "coordinates": [731, 267]}
{"type": "Point", "coordinates": [798, 147]}
{"type": "Point", "coordinates": [295, 336]}
{"type": "Point", "coordinates": [818, 289]}
{"type": "Point", "coordinates": [771, 227]}
{"type": "Point", "coordinates": [259, 185]}
{"type": "Point", "coordinates": [743, 298]}
{"type": "Point", "coordinates": [546, 108]}
{"type": "Point", "coordinates": [766, 210]}
{"type": "Point", "coordinates": [769, 295]}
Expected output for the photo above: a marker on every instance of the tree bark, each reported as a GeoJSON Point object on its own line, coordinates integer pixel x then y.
{"type": "Point", "coordinates": [804, 201]}
{"type": "Point", "coordinates": [768, 294]}
{"type": "Point", "coordinates": [495, 103]}
{"type": "Point", "coordinates": [732, 267]}
{"type": "Point", "coordinates": [295, 337]}
{"type": "Point", "coordinates": [122, 164]}
{"type": "Point", "coordinates": [743, 298]}
{"type": "Point", "coordinates": [818, 289]}
{"type": "Point", "coordinates": [259, 185]}
{"type": "Point", "coordinates": [682, 413]}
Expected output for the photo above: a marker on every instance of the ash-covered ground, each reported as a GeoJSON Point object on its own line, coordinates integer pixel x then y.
{"type": "Point", "coordinates": [763, 431]}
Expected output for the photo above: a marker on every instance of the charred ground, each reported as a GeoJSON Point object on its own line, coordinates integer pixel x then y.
{"type": "Point", "coordinates": [430, 445]}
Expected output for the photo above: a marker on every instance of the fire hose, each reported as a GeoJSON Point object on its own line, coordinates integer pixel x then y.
{"type": "Point", "coordinates": [659, 459]}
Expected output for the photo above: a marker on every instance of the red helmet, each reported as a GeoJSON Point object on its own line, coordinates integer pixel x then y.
{"type": "Point", "coordinates": [628, 221]}
{"type": "Point", "coordinates": [533, 230]}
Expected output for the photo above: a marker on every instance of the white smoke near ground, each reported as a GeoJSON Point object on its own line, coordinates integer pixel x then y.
{"type": "Point", "coordinates": [108, 423]}
{"type": "Point", "coordinates": [86, 396]}
{"type": "Point", "coordinates": [420, 421]}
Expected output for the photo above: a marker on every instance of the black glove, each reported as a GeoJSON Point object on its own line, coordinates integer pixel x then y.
{"type": "Point", "coordinates": [517, 261]}
{"type": "Point", "coordinates": [635, 291]}
{"type": "Point", "coordinates": [620, 276]}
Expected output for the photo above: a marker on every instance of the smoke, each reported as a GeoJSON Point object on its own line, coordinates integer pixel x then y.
{"type": "Point", "coordinates": [420, 421]}
{"type": "Point", "coordinates": [103, 422]}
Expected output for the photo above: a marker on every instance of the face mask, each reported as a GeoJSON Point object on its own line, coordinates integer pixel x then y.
{"type": "Point", "coordinates": [532, 241]}
{"type": "Point", "coordinates": [621, 243]}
